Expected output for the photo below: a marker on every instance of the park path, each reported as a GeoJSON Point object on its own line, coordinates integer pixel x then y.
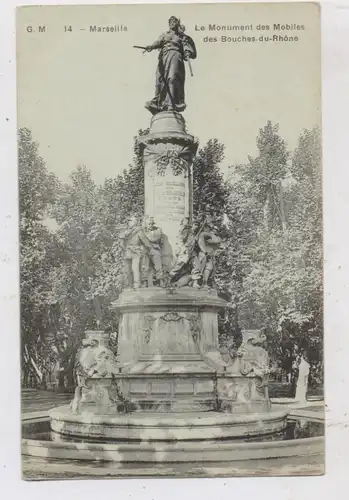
{"type": "Point", "coordinates": [34, 400]}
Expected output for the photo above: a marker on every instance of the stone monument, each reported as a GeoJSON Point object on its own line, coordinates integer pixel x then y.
{"type": "Point", "coordinates": [302, 382]}
{"type": "Point", "coordinates": [169, 360]}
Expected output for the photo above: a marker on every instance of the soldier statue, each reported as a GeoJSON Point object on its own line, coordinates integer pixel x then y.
{"type": "Point", "coordinates": [175, 48]}
{"type": "Point", "coordinates": [208, 243]}
{"type": "Point", "coordinates": [153, 242]}
{"type": "Point", "coordinates": [147, 253]}
{"type": "Point", "coordinates": [134, 251]}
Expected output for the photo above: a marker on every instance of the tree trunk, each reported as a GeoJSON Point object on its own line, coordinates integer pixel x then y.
{"type": "Point", "coordinates": [61, 380]}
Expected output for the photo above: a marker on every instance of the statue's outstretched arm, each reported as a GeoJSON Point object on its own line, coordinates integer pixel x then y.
{"type": "Point", "coordinates": [157, 44]}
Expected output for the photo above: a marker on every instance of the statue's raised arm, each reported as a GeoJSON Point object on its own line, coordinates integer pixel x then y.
{"type": "Point", "coordinates": [175, 47]}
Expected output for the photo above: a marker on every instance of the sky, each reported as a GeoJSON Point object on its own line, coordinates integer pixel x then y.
{"type": "Point", "coordinates": [82, 93]}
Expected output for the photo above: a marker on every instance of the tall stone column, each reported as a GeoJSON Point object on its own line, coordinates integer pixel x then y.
{"type": "Point", "coordinates": [164, 330]}
{"type": "Point", "coordinates": [168, 153]}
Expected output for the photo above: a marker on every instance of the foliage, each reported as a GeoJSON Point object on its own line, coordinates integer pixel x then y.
{"type": "Point", "coordinates": [209, 193]}
{"type": "Point", "coordinates": [90, 271]}
{"type": "Point", "coordinates": [268, 213]}
{"type": "Point", "coordinates": [211, 198]}
{"type": "Point", "coordinates": [37, 190]}
{"type": "Point", "coordinates": [278, 256]}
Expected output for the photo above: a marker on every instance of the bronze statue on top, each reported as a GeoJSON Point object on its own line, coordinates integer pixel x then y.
{"type": "Point", "coordinates": [175, 48]}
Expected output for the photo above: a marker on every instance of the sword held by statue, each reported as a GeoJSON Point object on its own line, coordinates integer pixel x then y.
{"type": "Point", "coordinates": [146, 50]}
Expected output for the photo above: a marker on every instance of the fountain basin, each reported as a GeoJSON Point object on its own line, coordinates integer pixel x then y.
{"type": "Point", "coordinates": [157, 426]}
{"type": "Point", "coordinates": [39, 441]}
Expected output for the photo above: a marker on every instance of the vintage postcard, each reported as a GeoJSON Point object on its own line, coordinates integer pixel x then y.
{"type": "Point", "coordinates": [170, 240]}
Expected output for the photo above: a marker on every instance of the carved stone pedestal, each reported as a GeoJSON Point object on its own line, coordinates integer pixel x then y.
{"type": "Point", "coordinates": [162, 336]}
{"type": "Point", "coordinates": [159, 324]}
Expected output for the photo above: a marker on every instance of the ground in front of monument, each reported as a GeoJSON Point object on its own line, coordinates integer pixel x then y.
{"type": "Point", "coordinates": [37, 403]}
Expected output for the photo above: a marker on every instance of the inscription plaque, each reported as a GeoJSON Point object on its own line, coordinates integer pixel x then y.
{"type": "Point", "coordinates": [168, 201]}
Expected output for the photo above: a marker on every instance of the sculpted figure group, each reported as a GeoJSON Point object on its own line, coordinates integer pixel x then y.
{"type": "Point", "coordinates": [93, 361]}
{"type": "Point", "coordinates": [194, 263]}
{"type": "Point", "coordinates": [250, 360]}
{"type": "Point", "coordinates": [149, 260]}
{"type": "Point", "coordinates": [147, 253]}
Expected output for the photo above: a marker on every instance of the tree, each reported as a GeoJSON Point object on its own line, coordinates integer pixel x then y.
{"type": "Point", "coordinates": [37, 189]}
{"type": "Point", "coordinates": [124, 195]}
{"type": "Point", "coordinates": [278, 256]}
{"type": "Point", "coordinates": [85, 243]}
{"type": "Point", "coordinates": [90, 272]}
{"type": "Point", "coordinates": [268, 214]}
{"type": "Point", "coordinates": [305, 216]}
{"type": "Point", "coordinates": [211, 198]}
{"type": "Point", "coordinates": [209, 192]}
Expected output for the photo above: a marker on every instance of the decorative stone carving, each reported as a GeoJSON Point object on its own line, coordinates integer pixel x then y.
{"type": "Point", "coordinates": [171, 316]}
{"type": "Point", "coordinates": [149, 322]}
{"type": "Point", "coordinates": [180, 273]}
{"type": "Point", "coordinates": [178, 156]}
{"type": "Point", "coordinates": [255, 360]}
{"type": "Point", "coordinates": [193, 320]}
{"type": "Point", "coordinates": [195, 255]}
{"type": "Point", "coordinates": [194, 325]}
{"type": "Point", "coordinates": [223, 358]}
{"type": "Point", "coordinates": [228, 352]}
{"type": "Point", "coordinates": [166, 337]}
{"type": "Point", "coordinates": [94, 361]}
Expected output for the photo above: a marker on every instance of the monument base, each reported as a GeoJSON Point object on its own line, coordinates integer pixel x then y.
{"type": "Point", "coordinates": [167, 325]}
{"type": "Point", "coordinates": [170, 382]}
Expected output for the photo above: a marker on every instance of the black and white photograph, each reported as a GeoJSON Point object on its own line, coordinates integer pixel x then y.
{"type": "Point", "coordinates": [171, 240]}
